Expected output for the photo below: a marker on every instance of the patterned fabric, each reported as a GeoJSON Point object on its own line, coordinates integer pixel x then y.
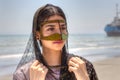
{"type": "Point", "coordinates": [22, 73]}
{"type": "Point", "coordinates": [55, 72]}
{"type": "Point", "coordinates": [90, 70]}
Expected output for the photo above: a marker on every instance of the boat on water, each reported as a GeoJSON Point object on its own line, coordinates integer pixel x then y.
{"type": "Point", "coordinates": [113, 29]}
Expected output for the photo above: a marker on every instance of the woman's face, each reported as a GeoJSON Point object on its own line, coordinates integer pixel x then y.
{"type": "Point", "coordinates": [52, 28]}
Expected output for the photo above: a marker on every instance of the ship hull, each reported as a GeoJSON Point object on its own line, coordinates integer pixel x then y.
{"type": "Point", "coordinates": [112, 30]}
{"type": "Point", "coordinates": [113, 33]}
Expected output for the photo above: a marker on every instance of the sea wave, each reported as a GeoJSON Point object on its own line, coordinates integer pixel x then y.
{"type": "Point", "coordinates": [98, 47]}
{"type": "Point", "coordinates": [11, 56]}
{"type": "Point", "coordinates": [71, 50]}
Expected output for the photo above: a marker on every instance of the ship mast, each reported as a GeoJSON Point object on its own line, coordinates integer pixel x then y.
{"type": "Point", "coordinates": [117, 12]}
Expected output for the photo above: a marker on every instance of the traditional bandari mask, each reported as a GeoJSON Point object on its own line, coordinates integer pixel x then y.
{"type": "Point", "coordinates": [55, 36]}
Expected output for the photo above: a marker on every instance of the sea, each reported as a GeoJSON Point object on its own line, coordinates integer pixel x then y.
{"type": "Point", "coordinates": [93, 47]}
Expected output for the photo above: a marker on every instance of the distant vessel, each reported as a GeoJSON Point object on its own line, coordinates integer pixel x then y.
{"type": "Point", "coordinates": [113, 29]}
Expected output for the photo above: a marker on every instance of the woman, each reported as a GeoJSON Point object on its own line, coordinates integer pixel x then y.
{"type": "Point", "coordinates": [46, 56]}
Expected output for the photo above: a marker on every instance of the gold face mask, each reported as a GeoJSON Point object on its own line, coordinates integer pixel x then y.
{"type": "Point", "coordinates": [55, 36]}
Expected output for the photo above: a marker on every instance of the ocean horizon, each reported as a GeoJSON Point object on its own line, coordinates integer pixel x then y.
{"type": "Point", "coordinates": [93, 47]}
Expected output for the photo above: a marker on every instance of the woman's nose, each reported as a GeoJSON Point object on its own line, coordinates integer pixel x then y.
{"type": "Point", "coordinates": [58, 30]}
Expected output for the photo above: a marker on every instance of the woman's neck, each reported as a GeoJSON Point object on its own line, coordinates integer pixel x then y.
{"type": "Point", "coordinates": [52, 57]}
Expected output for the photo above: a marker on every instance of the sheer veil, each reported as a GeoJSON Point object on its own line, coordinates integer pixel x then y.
{"type": "Point", "coordinates": [29, 53]}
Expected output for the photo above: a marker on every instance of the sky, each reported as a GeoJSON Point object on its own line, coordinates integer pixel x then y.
{"type": "Point", "coordinates": [83, 16]}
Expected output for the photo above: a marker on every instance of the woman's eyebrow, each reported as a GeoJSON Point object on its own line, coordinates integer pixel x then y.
{"type": "Point", "coordinates": [53, 25]}
{"type": "Point", "coordinates": [52, 21]}
{"type": "Point", "coordinates": [49, 25]}
{"type": "Point", "coordinates": [63, 24]}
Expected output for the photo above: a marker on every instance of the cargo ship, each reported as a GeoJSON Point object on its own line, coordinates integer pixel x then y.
{"type": "Point", "coordinates": [113, 29]}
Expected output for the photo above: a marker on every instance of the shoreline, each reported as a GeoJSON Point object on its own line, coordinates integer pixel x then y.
{"type": "Point", "coordinates": [107, 69]}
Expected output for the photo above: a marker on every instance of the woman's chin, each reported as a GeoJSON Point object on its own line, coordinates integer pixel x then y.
{"type": "Point", "coordinates": [57, 49]}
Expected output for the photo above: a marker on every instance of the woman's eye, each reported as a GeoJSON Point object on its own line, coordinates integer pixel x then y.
{"type": "Point", "coordinates": [63, 28]}
{"type": "Point", "coordinates": [50, 29]}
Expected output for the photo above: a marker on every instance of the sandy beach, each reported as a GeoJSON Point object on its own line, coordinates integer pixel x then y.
{"type": "Point", "coordinates": [108, 69]}
{"type": "Point", "coordinates": [6, 77]}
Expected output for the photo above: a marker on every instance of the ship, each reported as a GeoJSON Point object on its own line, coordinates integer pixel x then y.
{"type": "Point", "coordinates": [113, 29]}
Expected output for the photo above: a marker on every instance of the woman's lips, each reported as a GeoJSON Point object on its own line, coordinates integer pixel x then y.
{"type": "Point", "coordinates": [58, 42]}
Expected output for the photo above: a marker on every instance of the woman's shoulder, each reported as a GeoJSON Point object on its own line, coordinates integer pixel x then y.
{"type": "Point", "coordinates": [22, 72]}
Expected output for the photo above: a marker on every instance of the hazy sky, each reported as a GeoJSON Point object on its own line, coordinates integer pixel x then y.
{"type": "Point", "coordinates": [83, 16]}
